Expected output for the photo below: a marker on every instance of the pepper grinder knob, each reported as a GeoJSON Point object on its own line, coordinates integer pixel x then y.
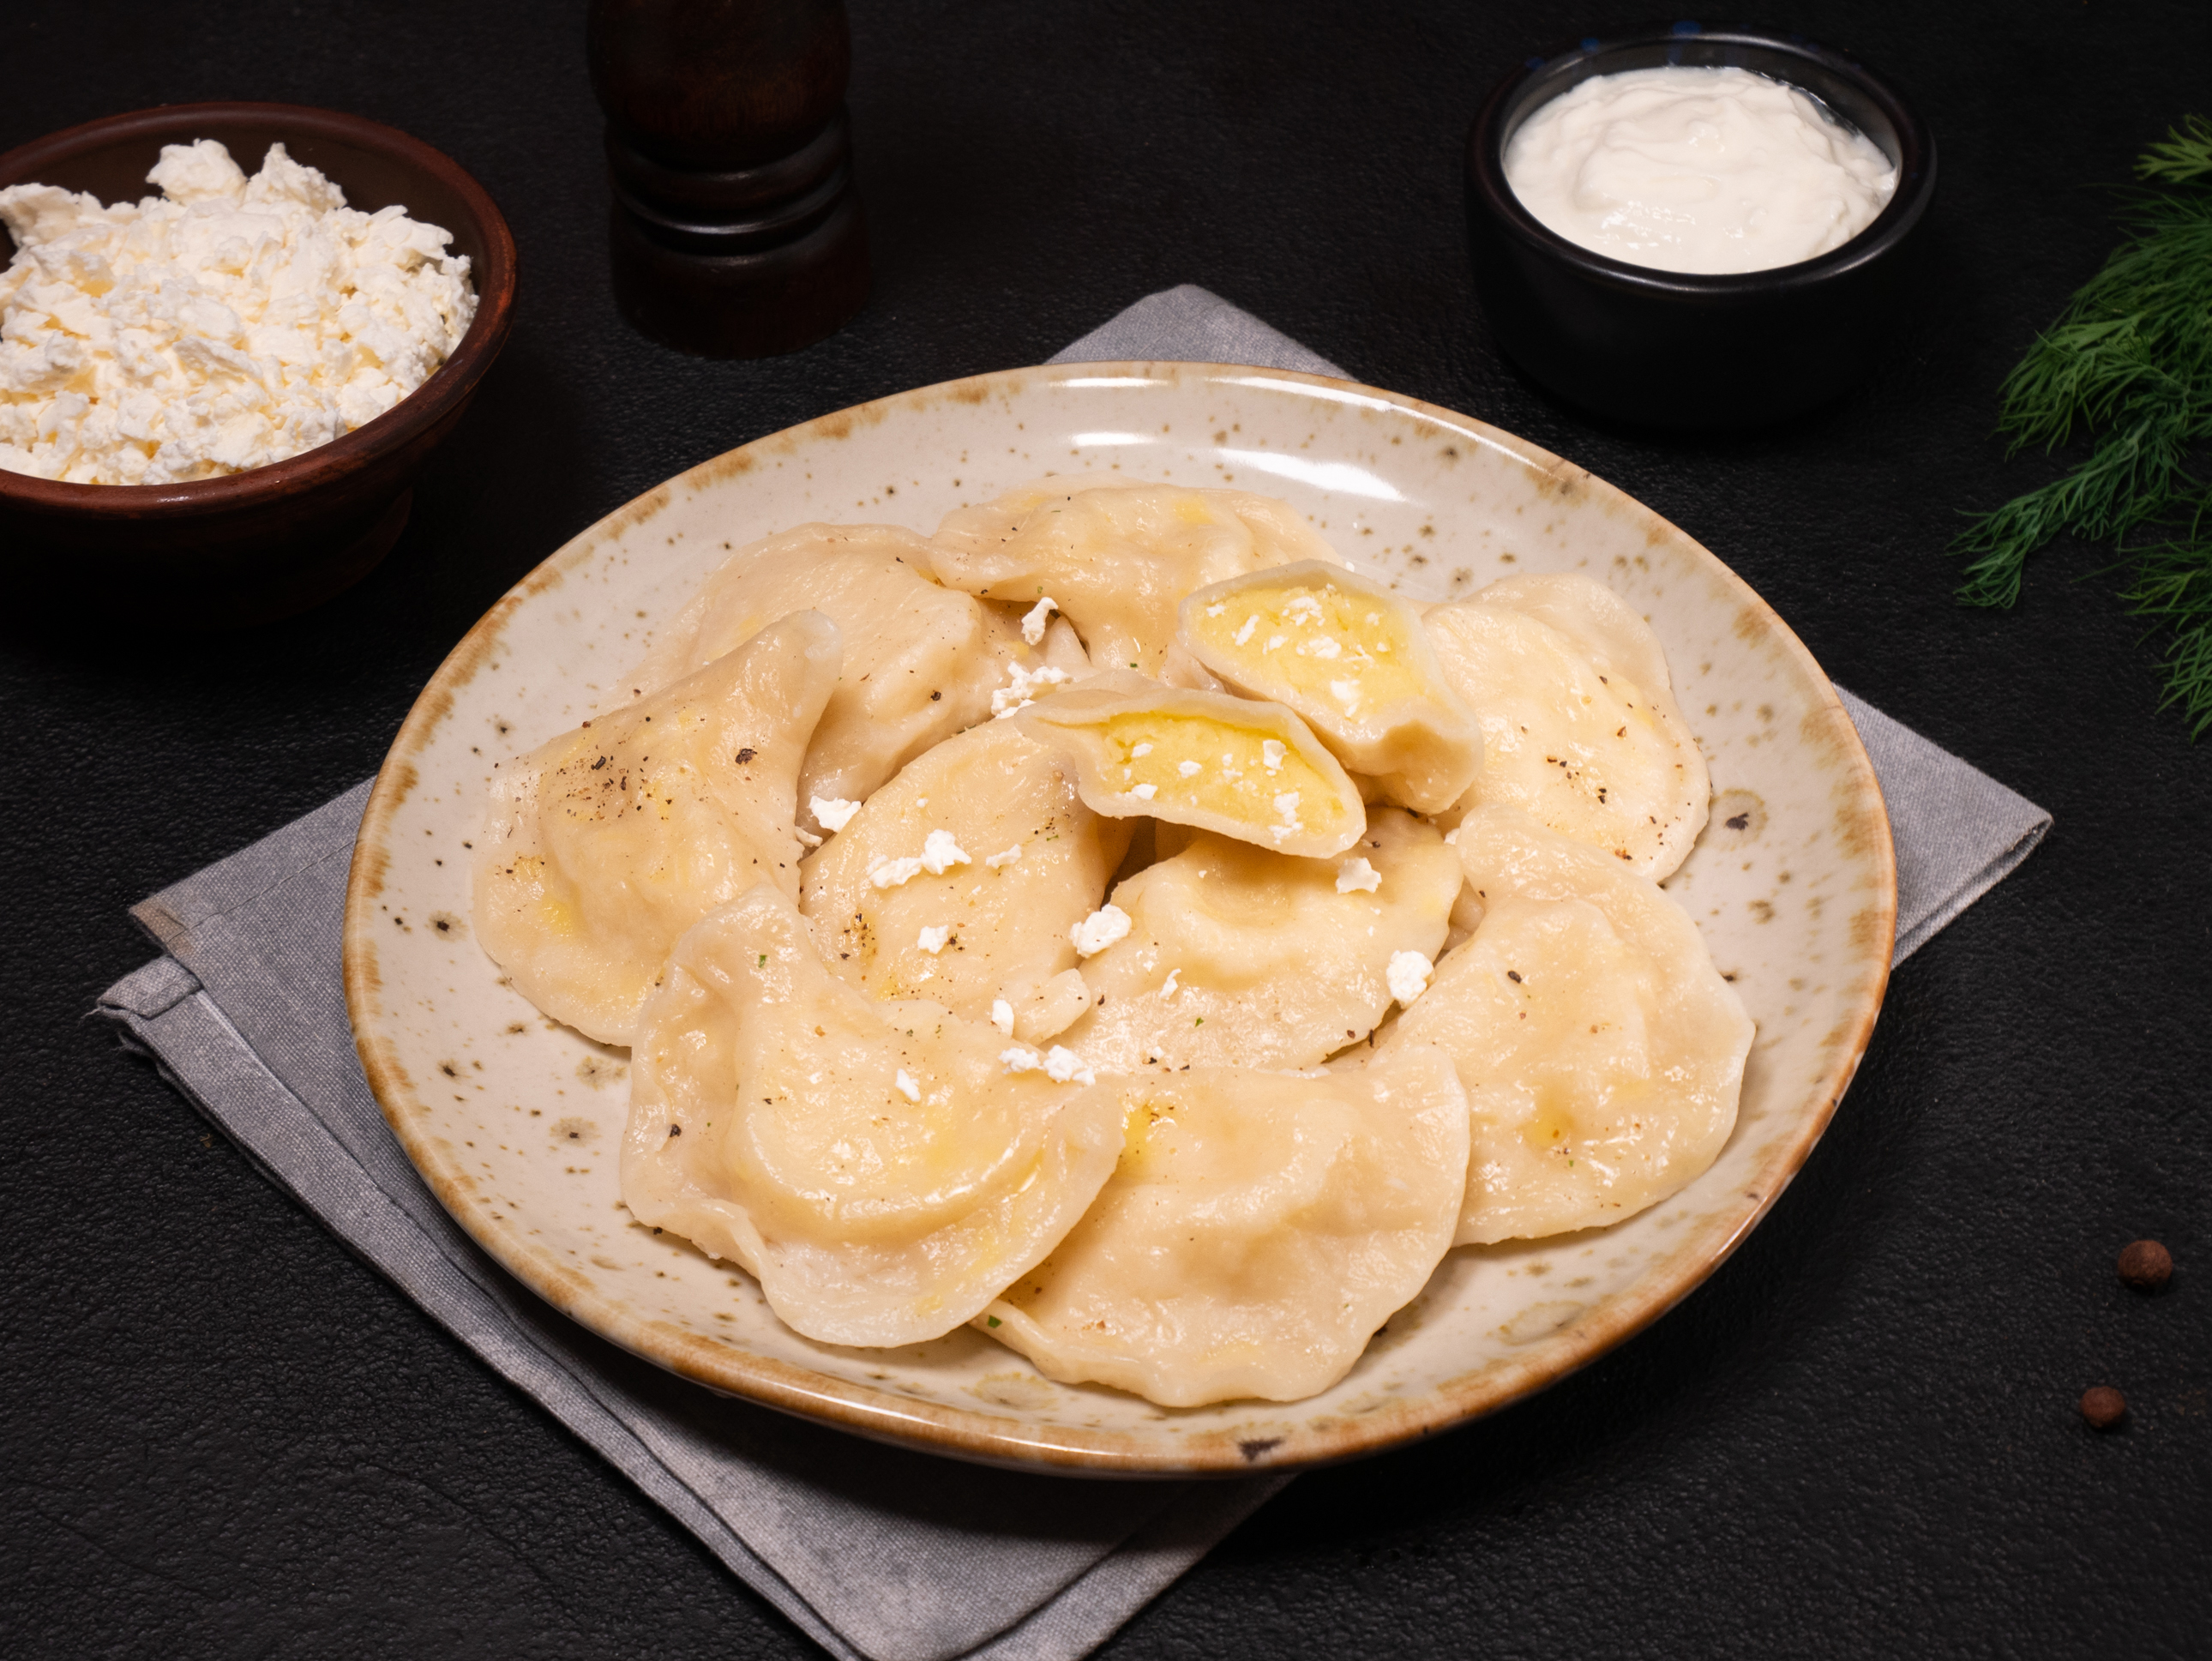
{"type": "Point", "coordinates": [736, 230]}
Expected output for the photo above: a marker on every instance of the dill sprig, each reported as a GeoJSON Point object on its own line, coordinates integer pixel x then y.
{"type": "Point", "coordinates": [2129, 364]}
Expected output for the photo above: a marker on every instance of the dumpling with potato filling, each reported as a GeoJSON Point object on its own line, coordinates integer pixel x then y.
{"type": "Point", "coordinates": [922, 660]}
{"type": "Point", "coordinates": [878, 1166]}
{"type": "Point", "coordinates": [1234, 765]}
{"type": "Point", "coordinates": [1579, 723]}
{"type": "Point", "coordinates": [1352, 658]}
{"type": "Point", "coordinates": [1602, 1051]}
{"type": "Point", "coordinates": [1117, 558]}
{"type": "Point", "coordinates": [961, 879]}
{"type": "Point", "coordinates": [606, 844]}
{"type": "Point", "coordinates": [1239, 957]}
{"type": "Point", "coordinates": [1256, 1231]}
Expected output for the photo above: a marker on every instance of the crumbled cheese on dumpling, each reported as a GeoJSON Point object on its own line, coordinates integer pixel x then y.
{"type": "Point", "coordinates": [225, 324]}
{"type": "Point", "coordinates": [1357, 876]}
{"type": "Point", "coordinates": [1407, 975]}
{"type": "Point", "coordinates": [1108, 924]}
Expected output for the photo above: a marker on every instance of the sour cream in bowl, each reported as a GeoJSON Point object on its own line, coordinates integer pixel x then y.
{"type": "Point", "coordinates": [1688, 168]}
{"type": "Point", "coordinates": [1685, 228]}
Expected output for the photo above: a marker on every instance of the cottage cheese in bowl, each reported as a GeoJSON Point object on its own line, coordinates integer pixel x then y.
{"type": "Point", "coordinates": [225, 324]}
{"type": "Point", "coordinates": [1692, 169]}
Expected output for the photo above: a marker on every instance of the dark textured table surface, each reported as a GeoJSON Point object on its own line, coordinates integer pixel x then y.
{"type": "Point", "coordinates": [221, 1435]}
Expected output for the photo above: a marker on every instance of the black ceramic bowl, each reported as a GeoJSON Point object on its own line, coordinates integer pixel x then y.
{"type": "Point", "coordinates": [252, 546]}
{"type": "Point", "coordinates": [1680, 350]}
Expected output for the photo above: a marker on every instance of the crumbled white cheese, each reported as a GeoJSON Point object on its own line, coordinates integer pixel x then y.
{"type": "Point", "coordinates": [833, 813]}
{"type": "Point", "coordinates": [907, 1086]}
{"type": "Point", "coordinates": [1039, 615]}
{"type": "Point", "coordinates": [1021, 1060]}
{"type": "Point", "coordinates": [1007, 856]}
{"type": "Point", "coordinates": [1323, 647]}
{"type": "Point", "coordinates": [1216, 608]}
{"type": "Point", "coordinates": [1022, 688]}
{"type": "Point", "coordinates": [1139, 752]}
{"type": "Point", "coordinates": [1355, 876]}
{"type": "Point", "coordinates": [934, 939]}
{"type": "Point", "coordinates": [226, 324]}
{"type": "Point", "coordinates": [1002, 1016]}
{"type": "Point", "coordinates": [1190, 770]}
{"type": "Point", "coordinates": [1145, 792]}
{"type": "Point", "coordinates": [1244, 631]}
{"type": "Point", "coordinates": [1345, 692]}
{"type": "Point", "coordinates": [940, 852]}
{"type": "Point", "coordinates": [1271, 754]}
{"type": "Point", "coordinates": [1407, 975]}
{"type": "Point", "coordinates": [805, 836]}
{"type": "Point", "coordinates": [894, 873]}
{"type": "Point", "coordinates": [1304, 608]}
{"type": "Point", "coordinates": [1063, 1065]}
{"type": "Point", "coordinates": [1168, 987]}
{"type": "Point", "coordinates": [1108, 924]}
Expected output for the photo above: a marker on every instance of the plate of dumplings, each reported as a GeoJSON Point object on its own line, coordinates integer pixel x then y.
{"type": "Point", "coordinates": [1128, 919]}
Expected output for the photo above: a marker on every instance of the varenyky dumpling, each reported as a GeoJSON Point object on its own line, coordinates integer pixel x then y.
{"type": "Point", "coordinates": [604, 845]}
{"type": "Point", "coordinates": [922, 660]}
{"type": "Point", "coordinates": [1602, 1051]}
{"type": "Point", "coordinates": [1352, 658]}
{"type": "Point", "coordinates": [1257, 1231]}
{"type": "Point", "coordinates": [878, 1167]}
{"type": "Point", "coordinates": [1216, 762]}
{"type": "Point", "coordinates": [1239, 957]}
{"type": "Point", "coordinates": [961, 879]}
{"type": "Point", "coordinates": [1579, 725]}
{"type": "Point", "coordinates": [1117, 558]}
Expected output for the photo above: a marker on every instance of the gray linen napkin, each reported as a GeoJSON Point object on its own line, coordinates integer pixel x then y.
{"type": "Point", "coordinates": [873, 1552]}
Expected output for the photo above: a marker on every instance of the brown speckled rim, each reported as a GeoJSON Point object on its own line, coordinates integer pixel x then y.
{"type": "Point", "coordinates": [981, 1436]}
{"type": "Point", "coordinates": [494, 277]}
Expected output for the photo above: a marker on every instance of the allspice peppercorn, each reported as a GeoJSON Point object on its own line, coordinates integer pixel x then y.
{"type": "Point", "coordinates": [2103, 1406]}
{"type": "Point", "coordinates": [2145, 1265]}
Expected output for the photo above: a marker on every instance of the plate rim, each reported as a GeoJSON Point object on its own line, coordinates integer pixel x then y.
{"type": "Point", "coordinates": [979, 1436]}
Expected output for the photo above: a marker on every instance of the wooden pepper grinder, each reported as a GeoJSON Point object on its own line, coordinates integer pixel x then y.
{"type": "Point", "coordinates": [736, 229]}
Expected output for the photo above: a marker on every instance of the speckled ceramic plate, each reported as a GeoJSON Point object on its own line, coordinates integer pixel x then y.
{"type": "Point", "coordinates": [516, 1122]}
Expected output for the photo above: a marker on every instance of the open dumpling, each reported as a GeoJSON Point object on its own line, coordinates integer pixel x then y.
{"type": "Point", "coordinates": [878, 1167]}
{"type": "Point", "coordinates": [1352, 658]}
{"type": "Point", "coordinates": [961, 879]}
{"type": "Point", "coordinates": [922, 660]}
{"type": "Point", "coordinates": [1579, 724]}
{"type": "Point", "coordinates": [1239, 957]}
{"type": "Point", "coordinates": [1117, 558]}
{"type": "Point", "coordinates": [1233, 765]}
{"type": "Point", "coordinates": [1602, 1051]}
{"type": "Point", "coordinates": [606, 844]}
{"type": "Point", "coordinates": [1256, 1231]}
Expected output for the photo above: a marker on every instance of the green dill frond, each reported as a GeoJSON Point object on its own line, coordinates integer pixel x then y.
{"type": "Point", "coordinates": [2185, 156]}
{"type": "Point", "coordinates": [2129, 361]}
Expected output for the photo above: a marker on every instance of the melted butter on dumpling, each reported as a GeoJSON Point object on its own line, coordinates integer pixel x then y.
{"type": "Point", "coordinates": [1018, 862]}
{"type": "Point", "coordinates": [1118, 557]}
{"type": "Point", "coordinates": [1353, 659]}
{"type": "Point", "coordinates": [922, 660]}
{"type": "Point", "coordinates": [1257, 1231]}
{"type": "Point", "coordinates": [877, 1166]}
{"type": "Point", "coordinates": [604, 845]}
{"type": "Point", "coordinates": [1579, 723]}
{"type": "Point", "coordinates": [1602, 1051]}
{"type": "Point", "coordinates": [1234, 765]}
{"type": "Point", "coordinates": [1240, 957]}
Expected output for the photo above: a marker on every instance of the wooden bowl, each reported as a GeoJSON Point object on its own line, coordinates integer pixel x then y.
{"type": "Point", "coordinates": [253, 546]}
